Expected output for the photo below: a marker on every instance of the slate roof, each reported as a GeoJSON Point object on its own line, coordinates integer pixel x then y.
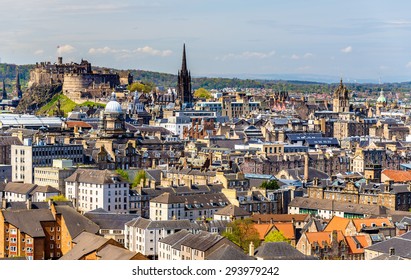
{"type": "Point", "coordinates": [85, 243]}
{"type": "Point", "coordinates": [144, 223]}
{"type": "Point", "coordinates": [280, 251]}
{"type": "Point", "coordinates": [401, 245]}
{"type": "Point", "coordinates": [94, 176]}
{"type": "Point", "coordinates": [264, 218]}
{"type": "Point", "coordinates": [29, 221]}
{"type": "Point", "coordinates": [325, 204]}
{"type": "Point", "coordinates": [232, 211]}
{"type": "Point", "coordinates": [202, 241]}
{"type": "Point", "coordinates": [20, 188]}
{"type": "Point", "coordinates": [106, 220]}
{"type": "Point", "coordinates": [75, 222]}
{"type": "Point", "coordinates": [175, 238]}
{"type": "Point", "coordinates": [227, 252]}
{"type": "Point", "coordinates": [112, 252]}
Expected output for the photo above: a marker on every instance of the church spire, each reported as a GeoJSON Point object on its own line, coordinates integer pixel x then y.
{"type": "Point", "coordinates": [4, 90]}
{"type": "Point", "coordinates": [184, 92]}
{"type": "Point", "coordinates": [18, 86]}
{"type": "Point", "coordinates": [184, 60]}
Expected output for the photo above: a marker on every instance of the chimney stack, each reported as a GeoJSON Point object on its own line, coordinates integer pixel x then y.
{"type": "Point", "coordinates": [28, 204]}
{"type": "Point", "coordinates": [306, 163]}
{"type": "Point", "coordinates": [392, 251]}
{"type": "Point", "coordinates": [251, 249]}
{"type": "Point", "coordinates": [3, 204]}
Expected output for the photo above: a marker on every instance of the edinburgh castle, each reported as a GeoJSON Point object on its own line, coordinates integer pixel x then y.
{"type": "Point", "coordinates": [79, 81]}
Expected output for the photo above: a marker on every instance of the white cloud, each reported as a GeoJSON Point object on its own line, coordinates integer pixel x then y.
{"type": "Point", "coordinates": [294, 56]}
{"type": "Point", "coordinates": [247, 55]}
{"type": "Point", "coordinates": [104, 50]}
{"type": "Point", "coordinates": [308, 55]}
{"type": "Point", "coordinates": [65, 49]}
{"type": "Point", "coordinates": [153, 52]}
{"type": "Point", "coordinates": [39, 52]}
{"type": "Point", "coordinates": [408, 65]}
{"type": "Point", "coordinates": [127, 53]}
{"type": "Point", "coordinates": [346, 49]}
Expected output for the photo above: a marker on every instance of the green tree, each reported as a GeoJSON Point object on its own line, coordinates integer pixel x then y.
{"type": "Point", "coordinates": [242, 232]}
{"type": "Point", "coordinates": [202, 93]}
{"type": "Point", "coordinates": [276, 236]}
{"type": "Point", "coordinates": [123, 174]}
{"type": "Point", "coordinates": [59, 197]}
{"type": "Point", "coordinates": [141, 87]}
{"type": "Point", "coordinates": [141, 175]}
{"type": "Point", "coordinates": [270, 185]}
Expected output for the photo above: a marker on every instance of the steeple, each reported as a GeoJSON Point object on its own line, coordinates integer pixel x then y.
{"type": "Point", "coordinates": [184, 93]}
{"type": "Point", "coordinates": [184, 60]}
{"type": "Point", "coordinates": [4, 90]}
{"type": "Point", "coordinates": [18, 86]}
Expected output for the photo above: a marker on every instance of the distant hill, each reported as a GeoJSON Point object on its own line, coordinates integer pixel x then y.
{"type": "Point", "coordinates": [165, 80]}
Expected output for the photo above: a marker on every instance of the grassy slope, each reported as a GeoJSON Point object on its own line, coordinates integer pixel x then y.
{"type": "Point", "coordinates": [67, 105]}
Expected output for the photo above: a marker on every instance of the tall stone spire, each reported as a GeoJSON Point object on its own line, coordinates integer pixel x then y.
{"type": "Point", "coordinates": [4, 90]}
{"type": "Point", "coordinates": [18, 86]}
{"type": "Point", "coordinates": [184, 92]}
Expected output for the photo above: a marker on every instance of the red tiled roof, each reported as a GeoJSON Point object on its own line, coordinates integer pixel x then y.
{"type": "Point", "coordinates": [72, 124]}
{"type": "Point", "coordinates": [323, 236]}
{"type": "Point", "coordinates": [337, 223]}
{"type": "Point", "coordinates": [357, 243]}
{"type": "Point", "coordinates": [287, 229]}
{"type": "Point", "coordinates": [379, 222]}
{"type": "Point", "coordinates": [398, 176]}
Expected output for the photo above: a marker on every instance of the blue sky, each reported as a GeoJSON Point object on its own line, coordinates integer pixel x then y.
{"type": "Point", "coordinates": [351, 39]}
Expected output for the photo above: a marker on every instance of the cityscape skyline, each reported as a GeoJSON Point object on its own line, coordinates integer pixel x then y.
{"type": "Point", "coordinates": [323, 41]}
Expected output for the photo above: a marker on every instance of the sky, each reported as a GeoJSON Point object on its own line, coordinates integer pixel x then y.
{"type": "Point", "coordinates": [316, 40]}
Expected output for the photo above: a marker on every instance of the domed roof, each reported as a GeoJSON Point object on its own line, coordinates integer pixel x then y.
{"type": "Point", "coordinates": [113, 106]}
{"type": "Point", "coordinates": [381, 98]}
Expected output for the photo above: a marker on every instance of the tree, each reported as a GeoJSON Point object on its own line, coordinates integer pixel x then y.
{"type": "Point", "coordinates": [202, 93]}
{"type": "Point", "coordinates": [123, 174]}
{"type": "Point", "coordinates": [242, 232]}
{"type": "Point", "coordinates": [59, 197]}
{"type": "Point", "coordinates": [141, 175]}
{"type": "Point", "coordinates": [276, 236]}
{"type": "Point", "coordinates": [141, 87]}
{"type": "Point", "coordinates": [270, 185]}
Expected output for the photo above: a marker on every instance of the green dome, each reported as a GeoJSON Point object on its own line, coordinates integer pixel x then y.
{"type": "Point", "coordinates": [381, 98]}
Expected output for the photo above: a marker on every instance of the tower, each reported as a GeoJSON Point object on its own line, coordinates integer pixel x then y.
{"type": "Point", "coordinates": [17, 90]}
{"type": "Point", "coordinates": [341, 100]}
{"type": "Point", "coordinates": [184, 92]}
{"type": "Point", "coordinates": [381, 103]}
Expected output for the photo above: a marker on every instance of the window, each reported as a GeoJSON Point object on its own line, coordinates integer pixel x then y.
{"type": "Point", "coordinates": [52, 229]}
{"type": "Point", "coordinates": [51, 246]}
{"type": "Point", "coordinates": [13, 249]}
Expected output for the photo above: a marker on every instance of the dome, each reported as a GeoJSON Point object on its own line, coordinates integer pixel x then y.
{"type": "Point", "coordinates": [113, 106]}
{"type": "Point", "coordinates": [381, 98]}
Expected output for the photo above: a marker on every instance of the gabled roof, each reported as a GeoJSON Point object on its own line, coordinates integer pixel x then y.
{"type": "Point", "coordinates": [286, 229]}
{"type": "Point", "coordinates": [85, 243]}
{"type": "Point", "coordinates": [280, 251]}
{"type": "Point", "coordinates": [202, 241]}
{"type": "Point", "coordinates": [263, 229]}
{"type": "Point", "coordinates": [167, 198]}
{"type": "Point", "coordinates": [228, 252]}
{"type": "Point", "coordinates": [323, 237]}
{"type": "Point", "coordinates": [106, 220]}
{"type": "Point", "coordinates": [75, 222]}
{"type": "Point", "coordinates": [374, 222]}
{"type": "Point", "coordinates": [29, 221]}
{"type": "Point", "coordinates": [357, 243]}
{"type": "Point", "coordinates": [20, 188]}
{"type": "Point", "coordinates": [337, 223]}
{"type": "Point", "coordinates": [112, 252]}
{"type": "Point", "coordinates": [401, 245]}
{"type": "Point", "coordinates": [94, 176]}
{"type": "Point", "coordinates": [232, 211]}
